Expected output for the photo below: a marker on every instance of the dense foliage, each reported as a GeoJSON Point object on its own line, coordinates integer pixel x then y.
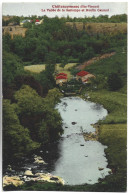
{"type": "Point", "coordinates": [15, 20]}
{"type": "Point", "coordinates": [65, 44]}
{"type": "Point", "coordinates": [16, 139]}
{"type": "Point", "coordinates": [114, 82]}
{"type": "Point", "coordinates": [30, 121]}
{"type": "Point", "coordinates": [12, 66]}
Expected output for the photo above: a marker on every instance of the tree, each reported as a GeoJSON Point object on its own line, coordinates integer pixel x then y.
{"type": "Point", "coordinates": [53, 97]}
{"type": "Point", "coordinates": [38, 114]}
{"type": "Point", "coordinates": [114, 82]}
{"type": "Point", "coordinates": [46, 78]}
{"type": "Point", "coordinates": [18, 45]}
{"type": "Point", "coordinates": [12, 66]}
{"type": "Point", "coordinates": [89, 53]}
{"type": "Point", "coordinates": [99, 82]}
{"type": "Point", "coordinates": [50, 63]}
{"type": "Point", "coordinates": [7, 42]}
{"type": "Point", "coordinates": [16, 20]}
{"type": "Point", "coordinates": [16, 138]}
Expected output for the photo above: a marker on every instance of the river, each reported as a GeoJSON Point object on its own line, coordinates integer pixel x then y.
{"type": "Point", "coordinates": [72, 158]}
{"type": "Point", "coordinates": [80, 161]}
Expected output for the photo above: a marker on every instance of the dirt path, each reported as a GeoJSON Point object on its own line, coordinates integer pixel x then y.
{"type": "Point", "coordinates": [92, 60]}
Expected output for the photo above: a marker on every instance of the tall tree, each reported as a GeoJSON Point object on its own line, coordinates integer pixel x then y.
{"type": "Point", "coordinates": [12, 66]}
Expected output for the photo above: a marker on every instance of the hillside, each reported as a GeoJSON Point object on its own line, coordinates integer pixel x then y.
{"type": "Point", "coordinates": [96, 28]}
{"type": "Point", "coordinates": [90, 28]}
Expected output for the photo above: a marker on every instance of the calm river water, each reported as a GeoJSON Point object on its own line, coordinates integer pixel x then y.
{"type": "Point", "coordinates": [79, 160]}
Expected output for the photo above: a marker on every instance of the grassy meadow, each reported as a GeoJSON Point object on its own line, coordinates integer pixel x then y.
{"type": "Point", "coordinates": [114, 102]}
{"type": "Point", "coordinates": [115, 137]}
{"type": "Point", "coordinates": [113, 133]}
{"type": "Point", "coordinates": [39, 68]}
{"type": "Point", "coordinates": [35, 68]}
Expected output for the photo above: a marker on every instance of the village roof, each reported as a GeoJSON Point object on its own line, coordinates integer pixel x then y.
{"type": "Point", "coordinates": [61, 77]}
{"type": "Point", "coordinates": [37, 20]}
{"type": "Point", "coordinates": [82, 73]}
{"type": "Point", "coordinates": [24, 21]}
{"type": "Point", "coordinates": [62, 74]}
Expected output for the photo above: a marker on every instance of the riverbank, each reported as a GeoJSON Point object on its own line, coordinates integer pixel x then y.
{"type": "Point", "coordinates": [113, 133]}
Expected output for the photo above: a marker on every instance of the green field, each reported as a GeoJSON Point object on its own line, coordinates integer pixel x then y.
{"type": "Point", "coordinates": [115, 137]}
{"type": "Point", "coordinates": [39, 68]}
{"type": "Point", "coordinates": [114, 102]}
{"type": "Point", "coordinates": [113, 133]}
{"type": "Point", "coordinates": [35, 68]}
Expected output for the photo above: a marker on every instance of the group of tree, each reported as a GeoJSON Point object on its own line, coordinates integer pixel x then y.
{"type": "Point", "coordinates": [65, 43]}
{"type": "Point", "coordinates": [29, 122]}
{"type": "Point", "coordinates": [15, 20]}
{"type": "Point", "coordinates": [29, 117]}
{"type": "Point", "coordinates": [98, 19]}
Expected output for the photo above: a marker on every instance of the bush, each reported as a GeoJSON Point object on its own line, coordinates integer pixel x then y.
{"type": "Point", "coordinates": [114, 82]}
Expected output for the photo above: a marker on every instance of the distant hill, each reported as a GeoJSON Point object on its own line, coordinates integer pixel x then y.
{"type": "Point", "coordinates": [97, 28]}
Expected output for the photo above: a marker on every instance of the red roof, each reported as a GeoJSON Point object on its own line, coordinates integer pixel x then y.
{"type": "Point", "coordinates": [82, 73]}
{"type": "Point", "coordinates": [37, 20]}
{"type": "Point", "coordinates": [61, 77]}
{"type": "Point", "coordinates": [63, 74]}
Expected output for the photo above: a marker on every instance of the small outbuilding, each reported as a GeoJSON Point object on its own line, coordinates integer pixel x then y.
{"type": "Point", "coordinates": [37, 21]}
{"type": "Point", "coordinates": [60, 79]}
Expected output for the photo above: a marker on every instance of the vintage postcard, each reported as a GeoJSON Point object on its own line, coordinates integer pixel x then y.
{"type": "Point", "coordinates": [64, 75]}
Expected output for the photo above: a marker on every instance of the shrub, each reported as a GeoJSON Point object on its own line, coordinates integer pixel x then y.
{"type": "Point", "coordinates": [114, 82]}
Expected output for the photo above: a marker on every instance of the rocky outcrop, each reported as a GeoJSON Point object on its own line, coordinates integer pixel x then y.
{"type": "Point", "coordinates": [29, 176]}
{"type": "Point", "coordinates": [28, 173]}
{"type": "Point", "coordinates": [13, 180]}
{"type": "Point", "coordinates": [48, 177]}
{"type": "Point", "coordinates": [92, 136]}
{"type": "Point", "coordinates": [39, 160]}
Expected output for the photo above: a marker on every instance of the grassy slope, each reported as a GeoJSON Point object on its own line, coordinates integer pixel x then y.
{"type": "Point", "coordinates": [114, 102]}
{"type": "Point", "coordinates": [116, 63]}
{"type": "Point", "coordinates": [113, 133]}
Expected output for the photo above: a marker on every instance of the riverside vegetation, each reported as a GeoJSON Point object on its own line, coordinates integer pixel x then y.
{"type": "Point", "coordinates": [29, 117]}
